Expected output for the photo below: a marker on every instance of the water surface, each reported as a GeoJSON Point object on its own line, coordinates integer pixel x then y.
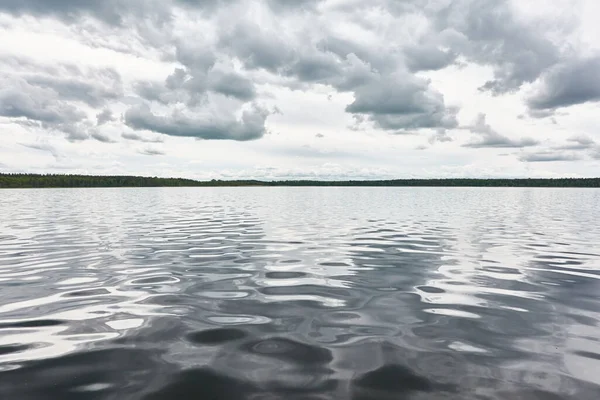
{"type": "Point", "coordinates": [300, 293]}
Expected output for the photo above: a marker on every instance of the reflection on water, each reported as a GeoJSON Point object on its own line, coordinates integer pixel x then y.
{"type": "Point", "coordinates": [300, 293]}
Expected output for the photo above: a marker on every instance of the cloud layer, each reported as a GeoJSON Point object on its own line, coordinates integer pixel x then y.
{"type": "Point", "coordinates": [221, 71]}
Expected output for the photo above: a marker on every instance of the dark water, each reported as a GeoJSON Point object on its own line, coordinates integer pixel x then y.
{"type": "Point", "coordinates": [300, 293]}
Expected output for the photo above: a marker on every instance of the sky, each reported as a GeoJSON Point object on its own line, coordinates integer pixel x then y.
{"type": "Point", "coordinates": [301, 89]}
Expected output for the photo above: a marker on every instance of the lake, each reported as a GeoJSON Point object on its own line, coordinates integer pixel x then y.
{"type": "Point", "coordinates": [300, 293]}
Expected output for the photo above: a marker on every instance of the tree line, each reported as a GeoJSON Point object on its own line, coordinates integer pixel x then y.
{"type": "Point", "coordinates": [74, 181]}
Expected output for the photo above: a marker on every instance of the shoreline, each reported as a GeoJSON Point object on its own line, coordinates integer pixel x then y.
{"type": "Point", "coordinates": [38, 181]}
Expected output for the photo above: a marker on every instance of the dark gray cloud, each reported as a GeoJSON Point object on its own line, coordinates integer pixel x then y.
{"type": "Point", "coordinates": [67, 9]}
{"type": "Point", "coordinates": [353, 73]}
{"type": "Point", "coordinates": [533, 113]}
{"type": "Point", "coordinates": [315, 67]}
{"type": "Point", "coordinates": [110, 12]}
{"type": "Point", "coordinates": [294, 5]}
{"type": "Point", "coordinates": [151, 152]}
{"type": "Point", "coordinates": [251, 125]}
{"type": "Point", "coordinates": [232, 58]}
{"type": "Point", "coordinates": [54, 97]}
{"type": "Point", "coordinates": [582, 145]}
{"type": "Point", "coordinates": [489, 138]}
{"type": "Point", "coordinates": [74, 132]}
{"type": "Point", "coordinates": [428, 57]}
{"type": "Point", "coordinates": [190, 92]}
{"type": "Point", "coordinates": [154, 91]}
{"type": "Point", "coordinates": [140, 138]}
{"type": "Point", "coordinates": [118, 12]}
{"type": "Point", "coordinates": [255, 46]}
{"type": "Point", "coordinates": [390, 99]}
{"type": "Point", "coordinates": [93, 88]}
{"type": "Point", "coordinates": [196, 55]}
{"type": "Point", "coordinates": [483, 31]}
{"type": "Point", "coordinates": [101, 137]}
{"type": "Point", "coordinates": [489, 33]}
{"type": "Point", "coordinates": [20, 99]}
{"type": "Point", "coordinates": [234, 85]}
{"type": "Point", "coordinates": [549, 156]}
{"type": "Point", "coordinates": [578, 143]}
{"type": "Point", "coordinates": [191, 86]}
{"type": "Point", "coordinates": [575, 81]}
{"type": "Point", "coordinates": [104, 117]}
{"type": "Point", "coordinates": [402, 102]}
{"type": "Point", "coordinates": [195, 85]}
{"type": "Point", "coordinates": [376, 57]}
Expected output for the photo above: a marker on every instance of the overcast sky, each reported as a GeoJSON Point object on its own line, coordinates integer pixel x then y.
{"type": "Point", "coordinates": [301, 89]}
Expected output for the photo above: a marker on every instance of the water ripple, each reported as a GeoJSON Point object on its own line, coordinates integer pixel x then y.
{"type": "Point", "coordinates": [300, 293]}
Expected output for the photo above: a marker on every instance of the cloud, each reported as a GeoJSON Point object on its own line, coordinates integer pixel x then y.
{"type": "Point", "coordinates": [101, 137]}
{"type": "Point", "coordinates": [93, 88]}
{"type": "Point", "coordinates": [250, 126]}
{"type": "Point", "coordinates": [151, 152]}
{"type": "Point", "coordinates": [386, 92]}
{"type": "Point", "coordinates": [489, 33]}
{"type": "Point", "coordinates": [319, 136]}
{"type": "Point", "coordinates": [315, 67]}
{"type": "Point", "coordinates": [489, 138]}
{"type": "Point", "coordinates": [373, 55]}
{"type": "Point", "coordinates": [549, 156]}
{"type": "Point", "coordinates": [533, 113]}
{"type": "Point", "coordinates": [215, 67]}
{"type": "Point", "coordinates": [118, 12]}
{"type": "Point", "coordinates": [428, 57]}
{"type": "Point", "coordinates": [140, 138]}
{"type": "Point", "coordinates": [286, 5]}
{"type": "Point", "coordinates": [577, 143]}
{"type": "Point", "coordinates": [581, 143]}
{"type": "Point", "coordinates": [43, 147]}
{"type": "Point", "coordinates": [54, 97]}
{"type": "Point", "coordinates": [20, 99]}
{"type": "Point", "coordinates": [111, 12]}
{"type": "Point", "coordinates": [575, 81]}
{"type": "Point", "coordinates": [74, 132]}
{"type": "Point", "coordinates": [104, 117]}
{"type": "Point", "coordinates": [193, 85]}
{"type": "Point", "coordinates": [441, 135]}
{"type": "Point", "coordinates": [156, 91]}
{"type": "Point", "coordinates": [402, 102]}
{"type": "Point", "coordinates": [381, 78]}
{"type": "Point", "coordinates": [234, 85]}
{"type": "Point", "coordinates": [257, 47]}
{"type": "Point", "coordinates": [63, 8]}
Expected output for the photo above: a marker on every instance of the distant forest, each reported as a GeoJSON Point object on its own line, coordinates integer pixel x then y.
{"type": "Point", "coordinates": [74, 181]}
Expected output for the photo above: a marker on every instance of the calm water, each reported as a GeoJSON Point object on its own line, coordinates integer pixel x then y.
{"type": "Point", "coordinates": [300, 293]}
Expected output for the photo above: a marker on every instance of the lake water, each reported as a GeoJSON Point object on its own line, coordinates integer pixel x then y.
{"type": "Point", "coordinates": [300, 293]}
